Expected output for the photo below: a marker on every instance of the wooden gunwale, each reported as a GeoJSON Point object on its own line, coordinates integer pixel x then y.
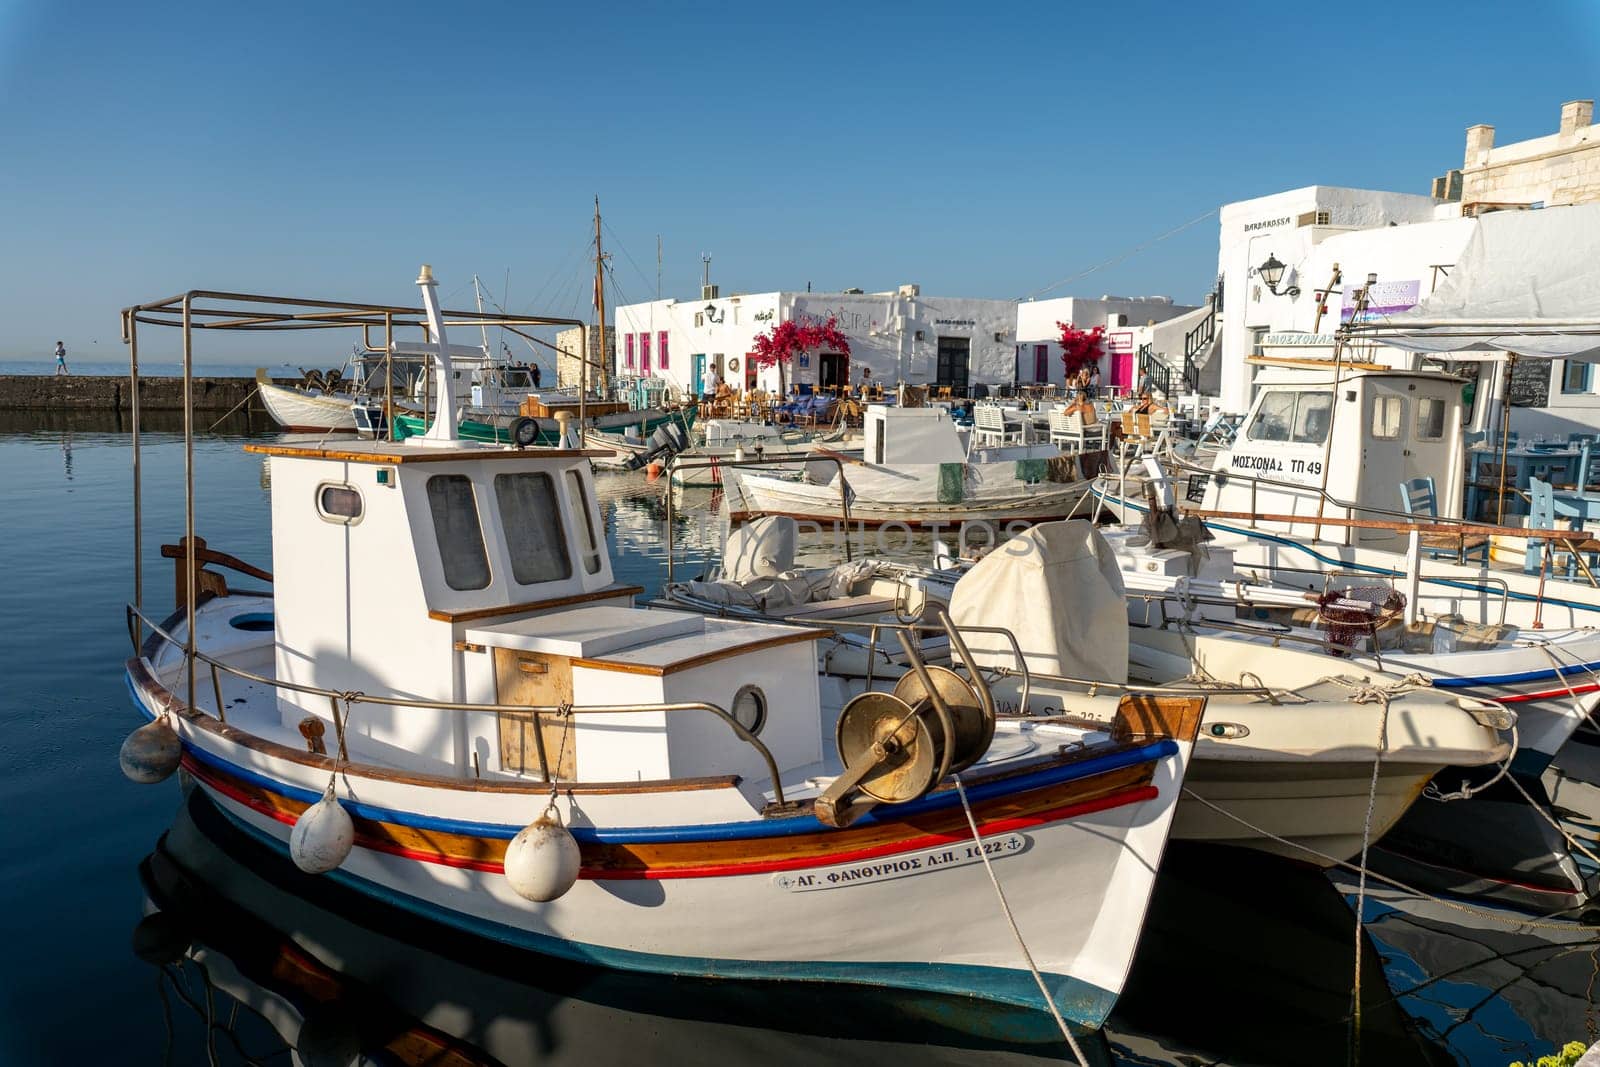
{"type": "Point", "coordinates": [441, 455]}
{"type": "Point", "coordinates": [610, 592]}
{"type": "Point", "coordinates": [662, 669]}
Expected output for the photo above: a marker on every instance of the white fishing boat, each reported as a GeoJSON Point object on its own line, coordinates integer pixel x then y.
{"type": "Point", "coordinates": [1285, 761]}
{"type": "Point", "coordinates": [449, 703]}
{"type": "Point", "coordinates": [919, 472]}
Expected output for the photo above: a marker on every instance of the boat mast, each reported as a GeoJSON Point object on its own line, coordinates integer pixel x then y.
{"type": "Point", "coordinates": [483, 327]}
{"type": "Point", "coordinates": [443, 430]}
{"type": "Point", "coordinates": [600, 300]}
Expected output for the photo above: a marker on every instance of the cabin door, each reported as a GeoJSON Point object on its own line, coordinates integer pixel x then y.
{"type": "Point", "coordinates": [539, 680]}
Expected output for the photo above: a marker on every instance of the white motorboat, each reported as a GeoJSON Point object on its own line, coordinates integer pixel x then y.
{"type": "Point", "coordinates": [919, 473]}
{"type": "Point", "coordinates": [446, 655]}
{"type": "Point", "coordinates": [1290, 737]}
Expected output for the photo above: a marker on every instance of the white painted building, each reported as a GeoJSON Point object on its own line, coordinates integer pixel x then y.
{"type": "Point", "coordinates": [1128, 322]}
{"type": "Point", "coordinates": [899, 335]}
{"type": "Point", "coordinates": [1409, 245]}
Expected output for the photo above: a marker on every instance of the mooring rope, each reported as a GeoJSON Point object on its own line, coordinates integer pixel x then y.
{"type": "Point", "coordinates": [1066, 1029]}
{"type": "Point", "coordinates": [1541, 922]}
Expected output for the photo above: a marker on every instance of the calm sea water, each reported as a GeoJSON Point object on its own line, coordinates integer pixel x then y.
{"type": "Point", "coordinates": [1245, 958]}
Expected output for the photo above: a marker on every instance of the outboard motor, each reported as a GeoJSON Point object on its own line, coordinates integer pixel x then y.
{"type": "Point", "coordinates": [668, 440]}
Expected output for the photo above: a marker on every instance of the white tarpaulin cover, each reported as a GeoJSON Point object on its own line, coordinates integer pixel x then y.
{"type": "Point", "coordinates": [1058, 589]}
{"type": "Point", "coordinates": [1528, 282]}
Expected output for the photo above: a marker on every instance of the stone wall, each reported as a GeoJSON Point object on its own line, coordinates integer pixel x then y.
{"type": "Point", "coordinates": [569, 366]}
{"type": "Point", "coordinates": [106, 393]}
{"type": "Point", "coordinates": [1556, 170]}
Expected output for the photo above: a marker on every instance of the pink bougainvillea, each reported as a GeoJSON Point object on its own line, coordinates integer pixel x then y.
{"type": "Point", "coordinates": [1080, 348]}
{"type": "Point", "coordinates": [786, 340]}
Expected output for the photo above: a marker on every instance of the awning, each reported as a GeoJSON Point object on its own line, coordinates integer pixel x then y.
{"type": "Point", "coordinates": [1528, 282]}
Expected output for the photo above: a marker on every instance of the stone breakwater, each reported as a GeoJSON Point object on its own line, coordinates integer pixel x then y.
{"type": "Point", "coordinates": [33, 392]}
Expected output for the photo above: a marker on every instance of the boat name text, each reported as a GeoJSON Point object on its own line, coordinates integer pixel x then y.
{"type": "Point", "coordinates": [956, 855]}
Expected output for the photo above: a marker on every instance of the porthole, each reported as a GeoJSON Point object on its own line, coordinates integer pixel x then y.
{"type": "Point", "coordinates": [749, 708]}
{"type": "Point", "coordinates": [339, 503]}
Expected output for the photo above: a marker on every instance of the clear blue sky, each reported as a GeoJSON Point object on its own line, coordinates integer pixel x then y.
{"type": "Point", "coordinates": [979, 150]}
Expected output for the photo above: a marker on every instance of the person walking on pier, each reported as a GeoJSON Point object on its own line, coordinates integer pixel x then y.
{"type": "Point", "coordinates": [61, 358]}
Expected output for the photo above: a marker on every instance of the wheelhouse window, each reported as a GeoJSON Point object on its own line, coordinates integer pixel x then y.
{"type": "Point", "coordinates": [532, 524]}
{"type": "Point", "coordinates": [586, 531]}
{"type": "Point", "coordinates": [1388, 417]}
{"type": "Point", "coordinates": [339, 503]}
{"type": "Point", "coordinates": [1298, 417]}
{"type": "Point", "coordinates": [1430, 418]}
{"type": "Point", "coordinates": [456, 529]}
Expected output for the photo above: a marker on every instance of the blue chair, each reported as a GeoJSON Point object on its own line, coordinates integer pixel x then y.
{"type": "Point", "coordinates": [1542, 515]}
{"type": "Point", "coordinates": [1418, 499]}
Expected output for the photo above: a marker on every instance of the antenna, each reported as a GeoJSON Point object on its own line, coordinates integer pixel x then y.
{"type": "Point", "coordinates": [705, 273]}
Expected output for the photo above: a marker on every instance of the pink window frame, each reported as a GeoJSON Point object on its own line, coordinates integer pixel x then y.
{"type": "Point", "coordinates": [644, 353]}
{"type": "Point", "coordinates": [661, 349]}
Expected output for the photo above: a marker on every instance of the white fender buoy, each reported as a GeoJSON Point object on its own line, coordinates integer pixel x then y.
{"type": "Point", "coordinates": [322, 836]}
{"type": "Point", "coordinates": [542, 861]}
{"type": "Point", "coordinates": [151, 753]}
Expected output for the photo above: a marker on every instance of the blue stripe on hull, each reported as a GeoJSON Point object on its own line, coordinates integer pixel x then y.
{"type": "Point", "coordinates": [1082, 1002]}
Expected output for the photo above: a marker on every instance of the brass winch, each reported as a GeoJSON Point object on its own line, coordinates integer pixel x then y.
{"type": "Point", "coordinates": [897, 746]}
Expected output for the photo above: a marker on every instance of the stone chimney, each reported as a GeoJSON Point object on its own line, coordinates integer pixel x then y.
{"type": "Point", "coordinates": [1479, 140]}
{"type": "Point", "coordinates": [1575, 115]}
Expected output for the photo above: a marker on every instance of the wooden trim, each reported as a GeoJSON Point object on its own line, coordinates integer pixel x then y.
{"type": "Point", "coordinates": [429, 455]}
{"type": "Point", "coordinates": [610, 592]}
{"type": "Point", "coordinates": [1147, 715]}
{"type": "Point", "coordinates": [146, 682]}
{"type": "Point", "coordinates": [659, 670]}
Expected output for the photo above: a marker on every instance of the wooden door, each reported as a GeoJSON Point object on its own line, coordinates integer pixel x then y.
{"type": "Point", "coordinates": [535, 679]}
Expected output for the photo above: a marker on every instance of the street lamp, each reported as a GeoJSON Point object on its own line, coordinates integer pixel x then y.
{"type": "Point", "coordinates": [1271, 272]}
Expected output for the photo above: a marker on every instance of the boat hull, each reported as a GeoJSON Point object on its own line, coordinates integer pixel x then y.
{"type": "Point", "coordinates": [897, 899]}
{"type": "Point", "coordinates": [1023, 504]}
{"type": "Point", "coordinates": [300, 412]}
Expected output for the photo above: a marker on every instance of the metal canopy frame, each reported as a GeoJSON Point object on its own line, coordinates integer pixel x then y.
{"type": "Point", "coordinates": [209, 309]}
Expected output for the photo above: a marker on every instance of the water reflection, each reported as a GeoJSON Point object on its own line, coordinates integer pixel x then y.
{"type": "Point", "coordinates": [268, 959]}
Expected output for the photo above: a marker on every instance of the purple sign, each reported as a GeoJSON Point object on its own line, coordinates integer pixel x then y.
{"type": "Point", "coordinates": [1385, 298]}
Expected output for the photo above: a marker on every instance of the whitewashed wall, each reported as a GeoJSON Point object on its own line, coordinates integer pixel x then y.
{"type": "Point", "coordinates": [1252, 230]}
{"type": "Point", "coordinates": [882, 328]}
{"type": "Point", "coordinates": [1037, 319]}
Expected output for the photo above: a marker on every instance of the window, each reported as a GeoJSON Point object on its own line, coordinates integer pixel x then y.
{"type": "Point", "coordinates": [1041, 363]}
{"type": "Point", "coordinates": [627, 343]}
{"type": "Point", "coordinates": [644, 353]}
{"type": "Point", "coordinates": [1574, 377]}
{"type": "Point", "coordinates": [1298, 417]}
{"type": "Point", "coordinates": [1274, 416]}
{"type": "Point", "coordinates": [532, 524]}
{"type": "Point", "coordinates": [699, 318]}
{"type": "Point", "coordinates": [749, 708]}
{"type": "Point", "coordinates": [1388, 416]}
{"type": "Point", "coordinates": [339, 503]}
{"type": "Point", "coordinates": [590, 543]}
{"type": "Point", "coordinates": [456, 529]}
{"type": "Point", "coordinates": [1311, 418]}
{"type": "Point", "coordinates": [661, 348]}
{"type": "Point", "coordinates": [1430, 418]}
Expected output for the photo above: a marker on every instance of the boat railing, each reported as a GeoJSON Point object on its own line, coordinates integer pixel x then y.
{"type": "Point", "coordinates": [1028, 675]}
{"type": "Point", "coordinates": [336, 698]}
{"type": "Point", "coordinates": [723, 464]}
